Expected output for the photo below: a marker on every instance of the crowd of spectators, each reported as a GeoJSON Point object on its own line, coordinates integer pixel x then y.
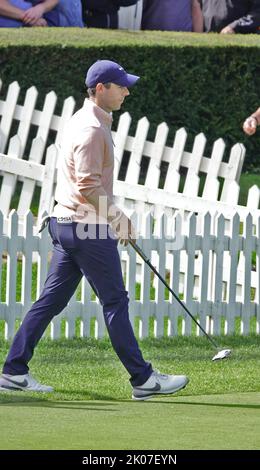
{"type": "Point", "coordinates": [222, 16]}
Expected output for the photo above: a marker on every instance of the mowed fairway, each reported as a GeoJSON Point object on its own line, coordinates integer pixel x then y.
{"type": "Point", "coordinates": [92, 409]}
{"type": "Point", "coordinates": [229, 421]}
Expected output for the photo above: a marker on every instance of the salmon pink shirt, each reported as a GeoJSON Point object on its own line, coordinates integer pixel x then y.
{"type": "Point", "coordinates": [86, 162]}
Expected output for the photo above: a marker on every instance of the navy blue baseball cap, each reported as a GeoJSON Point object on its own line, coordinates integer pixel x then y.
{"type": "Point", "coordinates": [107, 71]}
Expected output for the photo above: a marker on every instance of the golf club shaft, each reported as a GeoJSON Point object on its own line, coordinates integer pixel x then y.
{"type": "Point", "coordinates": [147, 261]}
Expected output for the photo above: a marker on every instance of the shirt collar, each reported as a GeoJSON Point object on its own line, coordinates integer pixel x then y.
{"type": "Point", "coordinates": [101, 115]}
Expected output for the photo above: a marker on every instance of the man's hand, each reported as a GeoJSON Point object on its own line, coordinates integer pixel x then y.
{"type": "Point", "coordinates": [227, 30]}
{"type": "Point", "coordinates": [250, 125]}
{"type": "Point", "coordinates": [41, 22]}
{"type": "Point", "coordinates": [33, 14]}
{"type": "Point", "coordinates": [123, 229]}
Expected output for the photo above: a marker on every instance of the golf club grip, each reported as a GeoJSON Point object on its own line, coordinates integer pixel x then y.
{"type": "Point", "coordinates": [144, 257]}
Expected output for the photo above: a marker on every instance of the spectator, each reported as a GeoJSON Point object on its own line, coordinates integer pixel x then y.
{"type": "Point", "coordinates": [165, 15]}
{"type": "Point", "coordinates": [65, 13]}
{"type": "Point", "coordinates": [16, 13]}
{"type": "Point", "coordinates": [252, 122]}
{"type": "Point", "coordinates": [103, 13]}
{"type": "Point", "coordinates": [70, 13]}
{"type": "Point", "coordinates": [130, 17]}
{"type": "Point", "coordinates": [231, 16]}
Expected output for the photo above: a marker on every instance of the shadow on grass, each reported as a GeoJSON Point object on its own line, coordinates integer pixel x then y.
{"type": "Point", "coordinates": [79, 405]}
{"type": "Point", "coordinates": [15, 398]}
{"type": "Point", "coordinates": [91, 403]}
{"type": "Point", "coordinates": [225, 405]}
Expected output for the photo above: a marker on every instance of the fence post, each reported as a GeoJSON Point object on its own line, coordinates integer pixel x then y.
{"type": "Point", "coordinates": [11, 275]}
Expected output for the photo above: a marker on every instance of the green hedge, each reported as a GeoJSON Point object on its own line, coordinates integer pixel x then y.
{"type": "Point", "coordinates": [208, 83]}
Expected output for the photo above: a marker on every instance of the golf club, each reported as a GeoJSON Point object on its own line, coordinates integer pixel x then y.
{"type": "Point", "coordinates": [222, 353]}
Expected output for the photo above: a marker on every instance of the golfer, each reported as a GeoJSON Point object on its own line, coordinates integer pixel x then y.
{"type": "Point", "coordinates": [252, 122]}
{"type": "Point", "coordinates": [85, 228]}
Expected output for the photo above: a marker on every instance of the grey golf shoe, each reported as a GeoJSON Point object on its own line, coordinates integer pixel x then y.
{"type": "Point", "coordinates": [159, 384]}
{"type": "Point", "coordinates": [12, 383]}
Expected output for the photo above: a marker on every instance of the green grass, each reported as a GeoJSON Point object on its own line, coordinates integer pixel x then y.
{"type": "Point", "coordinates": [200, 423]}
{"type": "Point", "coordinates": [91, 407]}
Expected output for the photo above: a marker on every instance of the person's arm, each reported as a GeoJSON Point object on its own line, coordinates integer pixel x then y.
{"type": "Point", "coordinates": [33, 14]}
{"type": "Point", "coordinates": [88, 158]}
{"type": "Point", "coordinates": [197, 17]}
{"type": "Point", "coordinates": [252, 122]}
{"type": "Point", "coordinates": [8, 10]}
{"type": "Point", "coordinates": [249, 23]}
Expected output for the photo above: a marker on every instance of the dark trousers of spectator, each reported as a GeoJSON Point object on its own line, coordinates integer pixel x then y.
{"type": "Point", "coordinates": [100, 20]}
{"type": "Point", "coordinates": [96, 258]}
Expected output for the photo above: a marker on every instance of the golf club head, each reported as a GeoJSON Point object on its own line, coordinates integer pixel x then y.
{"type": "Point", "coordinates": [222, 354]}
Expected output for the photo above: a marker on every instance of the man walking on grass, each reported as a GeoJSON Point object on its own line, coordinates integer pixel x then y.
{"type": "Point", "coordinates": [85, 228]}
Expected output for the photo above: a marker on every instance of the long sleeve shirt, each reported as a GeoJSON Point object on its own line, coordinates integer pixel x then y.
{"type": "Point", "coordinates": [86, 163]}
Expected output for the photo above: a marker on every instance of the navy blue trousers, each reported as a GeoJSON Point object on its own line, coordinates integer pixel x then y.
{"type": "Point", "coordinates": [98, 260]}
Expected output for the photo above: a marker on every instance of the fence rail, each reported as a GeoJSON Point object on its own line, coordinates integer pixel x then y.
{"type": "Point", "coordinates": [221, 291]}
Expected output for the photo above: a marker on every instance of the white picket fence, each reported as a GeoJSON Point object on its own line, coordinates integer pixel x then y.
{"type": "Point", "coordinates": [134, 189]}
{"type": "Point", "coordinates": [228, 303]}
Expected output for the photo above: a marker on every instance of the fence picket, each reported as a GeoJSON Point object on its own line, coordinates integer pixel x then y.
{"type": "Point", "coordinates": [159, 287]}
{"type": "Point", "coordinates": [145, 303]}
{"type": "Point", "coordinates": [133, 170]}
{"type": "Point", "coordinates": [253, 198]}
{"type": "Point", "coordinates": [231, 265]}
{"type": "Point", "coordinates": [120, 137]}
{"type": "Point", "coordinates": [9, 180]}
{"type": "Point", "coordinates": [8, 114]}
{"type": "Point", "coordinates": [26, 117]}
{"type": "Point", "coordinates": [175, 310]}
{"type": "Point", "coordinates": [204, 275]}
{"type": "Point", "coordinates": [130, 283]}
{"type": "Point", "coordinates": [211, 187]}
{"type": "Point", "coordinates": [11, 275]}
{"type": "Point", "coordinates": [172, 180]}
{"type": "Point", "coordinates": [154, 170]}
{"type": "Point", "coordinates": [45, 116]}
{"type": "Point", "coordinates": [85, 311]}
{"type": "Point", "coordinates": [246, 289]}
{"type": "Point", "coordinates": [230, 190]}
{"type": "Point", "coordinates": [217, 307]}
{"type": "Point", "coordinates": [191, 187]}
{"type": "Point", "coordinates": [28, 240]}
{"type": "Point", "coordinates": [70, 315]}
{"type": "Point", "coordinates": [29, 184]}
